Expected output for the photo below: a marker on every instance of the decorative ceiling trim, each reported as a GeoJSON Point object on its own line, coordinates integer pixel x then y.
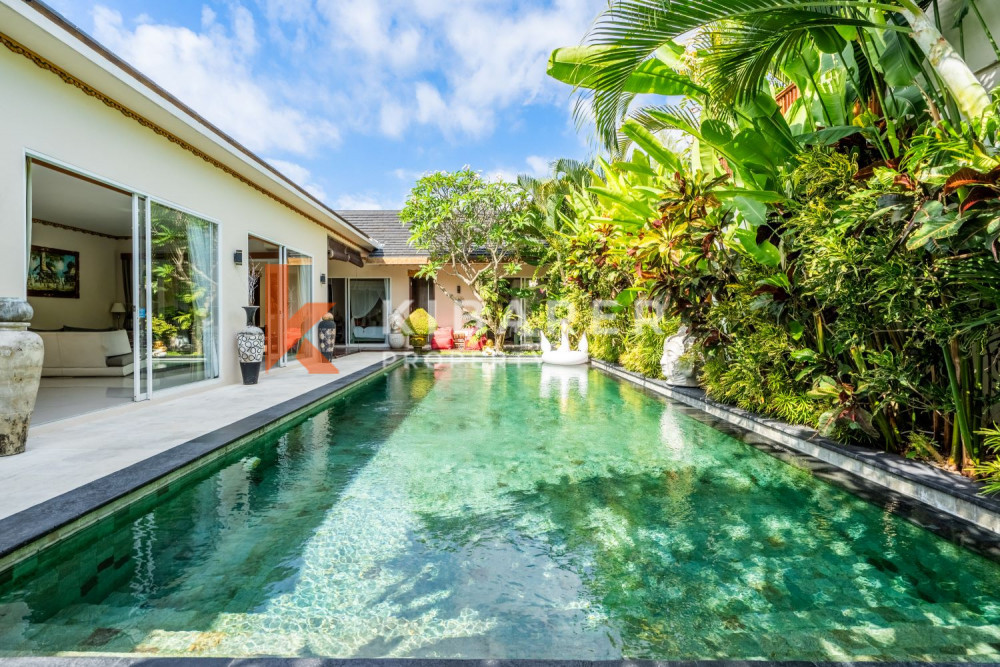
{"type": "Point", "coordinates": [71, 228]}
{"type": "Point", "coordinates": [21, 50]}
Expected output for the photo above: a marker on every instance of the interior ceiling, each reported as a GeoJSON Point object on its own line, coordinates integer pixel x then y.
{"type": "Point", "coordinates": [262, 247]}
{"type": "Point", "coordinates": [69, 200]}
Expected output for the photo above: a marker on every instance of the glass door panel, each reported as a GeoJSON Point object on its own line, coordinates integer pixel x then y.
{"type": "Point", "coordinates": [184, 305]}
{"type": "Point", "coordinates": [299, 291]}
{"type": "Point", "coordinates": [368, 301]}
{"type": "Point", "coordinates": [266, 257]}
{"type": "Point", "coordinates": [141, 333]}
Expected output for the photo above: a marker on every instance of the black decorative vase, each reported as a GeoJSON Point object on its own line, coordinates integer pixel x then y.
{"type": "Point", "coordinates": [250, 347]}
{"type": "Point", "coordinates": [327, 338]}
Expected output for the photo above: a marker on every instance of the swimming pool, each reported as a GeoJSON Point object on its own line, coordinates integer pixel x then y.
{"type": "Point", "coordinates": [504, 511]}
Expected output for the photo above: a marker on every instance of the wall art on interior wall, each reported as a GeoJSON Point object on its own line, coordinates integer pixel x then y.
{"type": "Point", "coordinates": [54, 273]}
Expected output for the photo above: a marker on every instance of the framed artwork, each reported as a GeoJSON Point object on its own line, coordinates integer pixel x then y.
{"type": "Point", "coordinates": [54, 273]}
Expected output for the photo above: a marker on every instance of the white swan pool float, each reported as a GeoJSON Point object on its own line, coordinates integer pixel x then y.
{"type": "Point", "coordinates": [564, 355]}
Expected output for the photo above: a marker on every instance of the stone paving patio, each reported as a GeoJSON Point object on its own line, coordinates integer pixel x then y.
{"type": "Point", "coordinates": [64, 455]}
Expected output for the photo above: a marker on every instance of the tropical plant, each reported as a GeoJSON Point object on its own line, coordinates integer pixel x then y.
{"type": "Point", "coordinates": [836, 261]}
{"type": "Point", "coordinates": [642, 347]}
{"type": "Point", "coordinates": [742, 48]}
{"type": "Point", "coordinates": [420, 323]}
{"type": "Point", "coordinates": [476, 229]}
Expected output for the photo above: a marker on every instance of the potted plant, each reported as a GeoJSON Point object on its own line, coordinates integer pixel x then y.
{"type": "Point", "coordinates": [420, 324]}
{"type": "Point", "coordinates": [250, 339]}
{"type": "Point", "coordinates": [397, 339]}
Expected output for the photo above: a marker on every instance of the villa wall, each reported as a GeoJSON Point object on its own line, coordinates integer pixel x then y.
{"type": "Point", "coordinates": [446, 312]}
{"type": "Point", "coordinates": [99, 284]}
{"type": "Point", "coordinates": [61, 122]}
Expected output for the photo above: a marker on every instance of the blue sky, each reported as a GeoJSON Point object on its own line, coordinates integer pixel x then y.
{"type": "Point", "coordinates": [355, 99]}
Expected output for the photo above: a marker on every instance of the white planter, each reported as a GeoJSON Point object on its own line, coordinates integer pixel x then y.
{"type": "Point", "coordinates": [21, 356]}
{"type": "Point", "coordinates": [678, 370]}
{"type": "Point", "coordinates": [397, 340]}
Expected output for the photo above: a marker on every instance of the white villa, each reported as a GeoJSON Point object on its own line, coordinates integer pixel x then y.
{"type": "Point", "coordinates": [130, 224]}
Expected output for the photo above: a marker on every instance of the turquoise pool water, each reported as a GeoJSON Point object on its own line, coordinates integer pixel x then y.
{"type": "Point", "coordinates": [504, 511]}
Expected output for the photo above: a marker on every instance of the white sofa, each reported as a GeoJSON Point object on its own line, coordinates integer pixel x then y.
{"type": "Point", "coordinates": [369, 333]}
{"type": "Point", "coordinates": [86, 353]}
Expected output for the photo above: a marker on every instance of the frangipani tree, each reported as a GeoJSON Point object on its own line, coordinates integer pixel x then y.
{"type": "Point", "coordinates": [478, 230]}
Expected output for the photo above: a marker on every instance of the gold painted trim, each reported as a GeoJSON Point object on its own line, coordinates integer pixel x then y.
{"type": "Point", "coordinates": [68, 78]}
{"type": "Point", "coordinates": [71, 228]}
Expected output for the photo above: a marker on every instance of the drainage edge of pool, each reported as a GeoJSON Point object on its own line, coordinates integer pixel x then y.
{"type": "Point", "coordinates": [29, 531]}
{"type": "Point", "coordinates": [945, 498]}
{"type": "Point", "coordinates": [145, 661]}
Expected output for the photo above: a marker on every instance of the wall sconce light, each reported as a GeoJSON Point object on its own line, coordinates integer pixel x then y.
{"type": "Point", "coordinates": [238, 258]}
{"type": "Point", "coordinates": [322, 279]}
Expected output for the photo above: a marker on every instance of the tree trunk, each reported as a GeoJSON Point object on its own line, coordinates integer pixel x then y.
{"type": "Point", "coordinates": [969, 94]}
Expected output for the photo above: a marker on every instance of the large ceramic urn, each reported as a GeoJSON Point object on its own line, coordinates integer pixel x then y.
{"type": "Point", "coordinates": [250, 347]}
{"type": "Point", "coordinates": [21, 355]}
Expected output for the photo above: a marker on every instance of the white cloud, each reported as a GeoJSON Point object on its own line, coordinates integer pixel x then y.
{"type": "Point", "coordinates": [501, 174]}
{"type": "Point", "coordinates": [300, 175]}
{"type": "Point", "coordinates": [408, 174]}
{"type": "Point", "coordinates": [211, 71]}
{"type": "Point", "coordinates": [452, 66]}
{"type": "Point", "coordinates": [534, 165]}
{"type": "Point", "coordinates": [451, 117]}
{"type": "Point", "coordinates": [393, 120]}
{"type": "Point", "coordinates": [538, 166]}
{"type": "Point", "coordinates": [360, 203]}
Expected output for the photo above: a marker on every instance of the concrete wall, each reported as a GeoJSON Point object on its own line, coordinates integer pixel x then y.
{"type": "Point", "coordinates": [100, 286]}
{"type": "Point", "coordinates": [45, 115]}
{"type": "Point", "coordinates": [446, 312]}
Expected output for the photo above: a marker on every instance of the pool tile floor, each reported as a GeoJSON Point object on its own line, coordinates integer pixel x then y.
{"type": "Point", "coordinates": [64, 455]}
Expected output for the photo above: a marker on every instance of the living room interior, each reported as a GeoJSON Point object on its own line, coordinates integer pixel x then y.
{"type": "Point", "coordinates": [79, 285]}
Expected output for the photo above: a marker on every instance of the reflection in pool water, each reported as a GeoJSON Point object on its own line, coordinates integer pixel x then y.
{"type": "Point", "coordinates": [504, 511]}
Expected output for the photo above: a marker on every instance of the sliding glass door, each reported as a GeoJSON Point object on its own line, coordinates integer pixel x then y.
{"type": "Point", "coordinates": [299, 295]}
{"type": "Point", "coordinates": [142, 338]}
{"type": "Point", "coordinates": [184, 299]}
{"type": "Point", "coordinates": [151, 261]}
{"type": "Point", "coordinates": [368, 302]}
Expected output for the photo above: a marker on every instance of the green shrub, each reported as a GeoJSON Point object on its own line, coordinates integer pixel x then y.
{"type": "Point", "coordinates": [574, 307]}
{"type": "Point", "coordinates": [421, 323]}
{"type": "Point", "coordinates": [605, 347]}
{"type": "Point", "coordinates": [607, 339]}
{"type": "Point", "coordinates": [643, 347]}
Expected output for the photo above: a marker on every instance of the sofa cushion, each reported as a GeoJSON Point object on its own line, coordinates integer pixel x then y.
{"type": "Point", "coordinates": [116, 343]}
{"type": "Point", "coordinates": [86, 353]}
{"type": "Point", "coordinates": [53, 356]}
{"type": "Point", "coordinates": [120, 360]}
{"type": "Point", "coordinates": [82, 350]}
{"type": "Point", "coordinates": [107, 371]}
{"type": "Point", "coordinates": [443, 339]}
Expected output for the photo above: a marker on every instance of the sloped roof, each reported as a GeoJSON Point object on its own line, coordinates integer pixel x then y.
{"type": "Point", "coordinates": [385, 227]}
{"type": "Point", "coordinates": [33, 29]}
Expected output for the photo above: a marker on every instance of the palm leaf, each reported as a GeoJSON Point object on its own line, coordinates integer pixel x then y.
{"type": "Point", "coordinates": [637, 28]}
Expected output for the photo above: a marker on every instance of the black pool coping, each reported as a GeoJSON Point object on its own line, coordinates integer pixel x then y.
{"type": "Point", "coordinates": [433, 662]}
{"type": "Point", "coordinates": [21, 529]}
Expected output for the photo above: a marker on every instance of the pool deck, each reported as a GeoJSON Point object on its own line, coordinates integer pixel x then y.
{"type": "Point", "coordinates": [65, 455]}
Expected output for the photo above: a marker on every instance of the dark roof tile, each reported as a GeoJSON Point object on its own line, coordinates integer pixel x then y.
{"type": "Point", "coordinates": [386, 228]}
